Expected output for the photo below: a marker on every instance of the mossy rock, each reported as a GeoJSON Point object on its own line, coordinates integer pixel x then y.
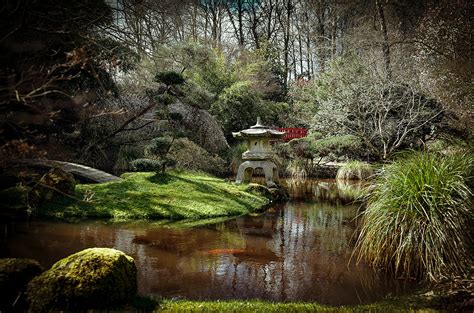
{"type": "Point", "coordinates": [14, 277]}
{"type": "Point", "coordinates": [96, 278]}
{"type": "Point", "coordinates": [277, 193]}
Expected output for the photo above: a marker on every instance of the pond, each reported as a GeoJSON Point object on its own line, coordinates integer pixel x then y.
{"type": "Point", "coordinates": [299, 250]}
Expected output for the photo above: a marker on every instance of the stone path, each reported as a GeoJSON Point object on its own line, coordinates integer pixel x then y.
{"type": "Point", "coordinates": [81, 172]}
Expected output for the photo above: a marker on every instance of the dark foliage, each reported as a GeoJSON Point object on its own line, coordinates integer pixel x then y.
{"type": "Point", "coordinates": [169, 78]}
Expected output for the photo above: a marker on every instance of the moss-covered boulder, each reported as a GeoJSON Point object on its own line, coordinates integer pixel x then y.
{"type": "Point", "coordinates": [276, 194]}
{"type": "Point", "coordinates": [14, 276]}
{"type": "Point", "coordinates": [90, 279]}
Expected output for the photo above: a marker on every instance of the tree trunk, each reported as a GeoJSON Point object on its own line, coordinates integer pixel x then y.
{"type": "Point", "coordinates": [385, 43]}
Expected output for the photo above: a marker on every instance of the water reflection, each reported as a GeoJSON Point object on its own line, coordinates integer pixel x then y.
{"type": "Point", "coordinates": [295, 251]}
{"type": "Point", "coordinates": [327, 190]}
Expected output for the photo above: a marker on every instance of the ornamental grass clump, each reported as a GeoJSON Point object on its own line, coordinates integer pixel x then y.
{"type": "Point", "coordinates": [419, 217]}
{"type": "Point", "coordinates": [354, 170]}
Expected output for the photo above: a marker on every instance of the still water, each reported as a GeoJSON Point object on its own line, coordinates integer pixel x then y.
{"type": "Point", "coordinates": [298, 250]}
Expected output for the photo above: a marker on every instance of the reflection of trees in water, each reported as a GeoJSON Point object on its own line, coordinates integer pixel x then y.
{"type": "Point", "coordinates": [300, 251]}
{"type": "Point", "coordinates": [328, 190]}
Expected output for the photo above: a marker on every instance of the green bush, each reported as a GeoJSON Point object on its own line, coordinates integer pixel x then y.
{"type": "Point", "coordinates": [347, 145]}
{"type": "Point", "coordinates": [159, 147]}
{"type": "Point", "coordinates": [187, 155]}
{"type": "Point", "coordinates": [302, 148]}
{"type": "Point", "coordinates": [299, 168]}
{"type": "Point", "coordinates": [146, 165]}
{"type": "Point", "coordinates": [419, 217]}
{"type": "Point", "coordinates": [354, 170]}
{"type": "Point", "coordinates": [237, 106]}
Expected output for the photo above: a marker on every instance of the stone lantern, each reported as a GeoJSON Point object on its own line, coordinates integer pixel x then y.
{"type": "Point", "coordinates": [259, 153]}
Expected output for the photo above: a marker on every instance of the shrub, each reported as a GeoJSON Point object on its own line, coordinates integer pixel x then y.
{"type": "Point", "coordinates": [389, 116]}
{"type": "Point", "coordinates": [125, 155]}
{"type": "Point", "coordinates": [299, 168]}
{"type": "Point", "coordinates": [301, 147]}
{"type": "Point", "coordinates": [189, 156]}
{"type": "Point", "coordinates": [419, 217]}
{"type": "Point", "coordinates": [54, 183]}
{"type": "Point", "coordinates": [159, 147]}
{"type": "Point", "coordinates": [146, 165]}
{"type": "Point", "coordinates": [347, 145]}
{"type": "Point", "coordinates": [354, 170]}
{"type": "Point", "coordinates": [237, 106]}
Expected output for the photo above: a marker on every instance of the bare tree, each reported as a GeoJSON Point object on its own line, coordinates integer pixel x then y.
{"type": "Point", "coordinates": [384, 114]}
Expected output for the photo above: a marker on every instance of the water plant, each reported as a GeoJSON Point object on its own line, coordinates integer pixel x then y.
{"type": "Point", "coordinates": [354, 170]}
{"type": "Point", "coordinates": [419, 217]}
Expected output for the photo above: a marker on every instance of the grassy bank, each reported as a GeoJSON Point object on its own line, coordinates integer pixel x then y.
{"type": "Point", "coordinates": [175, 195]}
{"type": "Point", "coordinates": [397, 305]}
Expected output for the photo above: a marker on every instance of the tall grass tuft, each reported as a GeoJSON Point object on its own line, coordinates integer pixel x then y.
{"type": "Point", "coordinates": [354, 170]}
{"type": "Point", "coordinates": [418, 220]}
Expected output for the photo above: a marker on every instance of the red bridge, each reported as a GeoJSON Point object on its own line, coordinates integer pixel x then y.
{"type": "Point", "coordinates": [292, 133]}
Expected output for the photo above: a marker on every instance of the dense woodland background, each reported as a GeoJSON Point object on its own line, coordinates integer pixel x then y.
{"type": "Point", "coordinates": [109, 83]}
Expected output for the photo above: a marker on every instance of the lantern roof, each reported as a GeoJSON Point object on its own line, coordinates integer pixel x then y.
{"type": "Point", "coordinates": [258, 130]}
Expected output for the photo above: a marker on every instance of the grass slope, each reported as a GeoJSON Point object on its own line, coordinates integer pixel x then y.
{"type": "Point", "coordinates": [174, 195]}
{"type": "Point", "coordinates": [396, 305]}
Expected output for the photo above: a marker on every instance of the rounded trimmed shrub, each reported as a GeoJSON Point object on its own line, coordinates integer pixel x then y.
{"type": "Point", "coordinates": [419, 217]}
{"type": "Point", "coordinates": [354, 170]}
{"type": "Point", "coordinates": [90, 279]}
{"type": "Point", "coordinates": [146, 165]}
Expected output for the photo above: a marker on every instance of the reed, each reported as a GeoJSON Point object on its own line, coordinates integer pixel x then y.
{"type": "Point", "coordinates": [419, 217]}
{"type": "Point", "coordinates": [354, 170]}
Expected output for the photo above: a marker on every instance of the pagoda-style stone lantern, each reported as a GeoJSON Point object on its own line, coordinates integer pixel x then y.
{"type": "Point", "coordinates": [259, 153]}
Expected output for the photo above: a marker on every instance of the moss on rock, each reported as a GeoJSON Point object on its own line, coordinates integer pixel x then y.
{"type": "Point", "coordinates": [277, 194]}
{"type": "Point", "coordinates": [14, 276]}
{"type": "Point", "coordinates": [92, 278]}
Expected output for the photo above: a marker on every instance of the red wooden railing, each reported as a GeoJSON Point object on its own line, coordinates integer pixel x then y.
{"type": "Point", "coordinates": [292, 133]}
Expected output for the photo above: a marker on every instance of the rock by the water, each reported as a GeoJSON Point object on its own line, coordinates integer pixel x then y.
{"type": "Point", "coordinates": [90, 279]}
{"type": "Point", "coordinates": [14, 277]}
{"type": "Point", "coordinates": [277, 193]}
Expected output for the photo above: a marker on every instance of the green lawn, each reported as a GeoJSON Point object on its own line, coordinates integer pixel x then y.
{"type": "Point", "coordinates": [174, 195]}
{"type": "Point", "coordinates": [402, 305]}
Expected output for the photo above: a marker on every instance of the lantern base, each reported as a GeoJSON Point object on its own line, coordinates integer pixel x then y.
{"type": "Point", "coordinates": [246, 169]}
